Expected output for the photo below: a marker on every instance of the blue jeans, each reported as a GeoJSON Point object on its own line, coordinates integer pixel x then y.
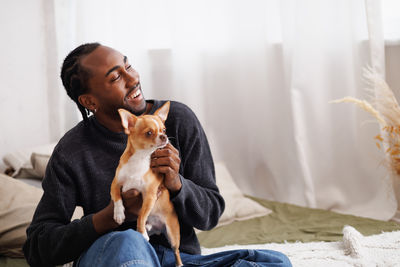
{"type": "Point", "coordinates": [129, 248]}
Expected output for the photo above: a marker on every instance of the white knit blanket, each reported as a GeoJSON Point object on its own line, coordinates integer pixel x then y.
{"type": "Point", "coordinates": [355, 250]}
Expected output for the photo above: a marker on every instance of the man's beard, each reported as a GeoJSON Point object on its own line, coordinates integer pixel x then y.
{"type": "Point", "coordinates": [112, 111]}
{"type": "Point", "coordinates": [137, 111]}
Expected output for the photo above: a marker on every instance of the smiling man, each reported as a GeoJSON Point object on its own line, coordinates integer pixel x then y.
{"type": "Point", "coordinates": [100, 80]}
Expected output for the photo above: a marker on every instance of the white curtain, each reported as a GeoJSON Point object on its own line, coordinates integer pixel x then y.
{"type": "Point", "coordinates": [259, 75]}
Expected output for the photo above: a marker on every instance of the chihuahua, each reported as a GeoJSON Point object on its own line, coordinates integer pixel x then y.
{"type": "Point", "coordinates": [146, 134]}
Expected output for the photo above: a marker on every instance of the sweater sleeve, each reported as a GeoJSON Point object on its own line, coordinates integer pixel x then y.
{"type": "Point", "coordinates": [198, 203]}
{"type": "Point", "coordinates": [52, 239]}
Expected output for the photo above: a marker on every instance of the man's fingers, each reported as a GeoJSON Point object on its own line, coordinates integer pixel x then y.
{"type": "Point", "coordinates": [166, 151]}
{"type": "Point", "coordinates": [164, 161]}
{"type": "Point", "coordinates": [172, 148]}
{"type": "Point", "coordinates": [163, 169]}
{"type": "Point", "coordinates": [162, 152]}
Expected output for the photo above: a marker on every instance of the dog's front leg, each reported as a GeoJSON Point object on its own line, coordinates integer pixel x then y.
{"type": "Point", "coordinates": [119, 210]}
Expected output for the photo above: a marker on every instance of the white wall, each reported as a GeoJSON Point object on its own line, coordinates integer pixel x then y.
{"type": "Point", "coordinates": [23, 90]}
{"type": "Point", "coordinates": [25, 116]}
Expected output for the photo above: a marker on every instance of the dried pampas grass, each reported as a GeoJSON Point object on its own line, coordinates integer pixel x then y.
{"type": "Point", "coordinates": [364, 105]}
{"type": "Point", "coordinates": [384, 107]}
{"type": "Point", "coordinates": [384, 99]}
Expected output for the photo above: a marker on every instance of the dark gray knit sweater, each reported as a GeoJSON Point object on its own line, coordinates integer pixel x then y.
{"type": "Point", "coordinates": [80, 172]}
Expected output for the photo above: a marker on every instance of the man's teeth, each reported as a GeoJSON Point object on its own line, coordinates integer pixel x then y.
{"type": "Point", "coordinates": [134, 95]}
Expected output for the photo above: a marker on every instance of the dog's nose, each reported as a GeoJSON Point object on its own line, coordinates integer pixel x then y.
{"type": "Point", "coordinates": [163, 137]}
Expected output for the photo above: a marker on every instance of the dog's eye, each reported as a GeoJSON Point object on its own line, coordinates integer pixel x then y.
{"type": "Point", "coordinates": [149, 133]}
{"type": "Point", "coordinates": [164, 130]}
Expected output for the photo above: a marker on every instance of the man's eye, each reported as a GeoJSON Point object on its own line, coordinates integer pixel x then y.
{"type": "Point", "coordinates": [129, 67]}
{"type": "Point", "coordinates": [116, 78]}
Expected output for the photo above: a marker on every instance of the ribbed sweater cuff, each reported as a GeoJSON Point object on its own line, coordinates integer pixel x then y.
{"type": "Point", "coordinates": [181, 192]}
{"type": "Point", "coordinates": [88, 229]}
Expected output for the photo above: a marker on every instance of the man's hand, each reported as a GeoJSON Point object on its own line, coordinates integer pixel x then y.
{"type": "Point", "coordinates": [103, 220]}
{"type": "Point", "coordinates": [167, 161]}
{"type": "Point", "coordinates": [132, 200]}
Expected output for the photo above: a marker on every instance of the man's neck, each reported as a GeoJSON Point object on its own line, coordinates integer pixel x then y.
{"type": "Point", "coordinates": [114, 124]}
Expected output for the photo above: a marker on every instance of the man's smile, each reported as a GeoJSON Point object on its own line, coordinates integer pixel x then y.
{"type": "Point", "coordinates": [135, 92]}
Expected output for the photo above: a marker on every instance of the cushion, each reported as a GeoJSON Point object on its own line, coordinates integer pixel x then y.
{"type": "Point", "coordinates": [237, 206]}
{"type": "Point", "coordinates": [39, 163]}
{"type": "Point", "coordinates": [17, 205]}
{"type": "Point", "coordinates": [29, 162]}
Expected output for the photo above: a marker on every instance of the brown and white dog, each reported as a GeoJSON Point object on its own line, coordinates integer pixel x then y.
{"type": "Point", "coordinates": [146, 133]}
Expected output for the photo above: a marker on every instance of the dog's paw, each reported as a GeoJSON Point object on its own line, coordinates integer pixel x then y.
{"type": "Point", "coordinates": [119, 218]}
{"type": "Point", "coordinates": [119, 212]}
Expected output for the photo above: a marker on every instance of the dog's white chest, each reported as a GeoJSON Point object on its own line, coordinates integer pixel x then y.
{"type": "Point", "coordinates": [131, 173]}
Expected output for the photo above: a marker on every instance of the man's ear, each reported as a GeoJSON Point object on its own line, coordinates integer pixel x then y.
{"type": "Point", "coordinates": [88, 101]}
{"type": "Point", "coordinates": [128, 119]}
{"type": "Point", "coordinates": [163, 112]}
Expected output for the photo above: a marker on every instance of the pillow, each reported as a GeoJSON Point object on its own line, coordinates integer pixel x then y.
{"type": "Point", "coordinates": [18, 202]}
{"type": "Point", "coordinates": [39, 163]}
{"type": "Point", "coordinates": [29, 162]}
{"type": "Point", "coordinates": [237, 206]}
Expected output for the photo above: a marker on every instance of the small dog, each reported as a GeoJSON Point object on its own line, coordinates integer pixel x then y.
{"type": "Point", "coordinates": [146, 134]}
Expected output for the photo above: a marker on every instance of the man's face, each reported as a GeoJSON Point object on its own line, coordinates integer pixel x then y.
{"type": "Point", "coordinates": [113, 83]}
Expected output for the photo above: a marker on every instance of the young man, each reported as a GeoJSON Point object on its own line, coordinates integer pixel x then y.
{"type": "Point", "coordinates": [80, 171]}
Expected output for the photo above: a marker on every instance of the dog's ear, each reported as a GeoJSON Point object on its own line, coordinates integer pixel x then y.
{"type": "Point", "coordinates": [128, 119]}
{"type": "Point", "coordinates": [163, 111]}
